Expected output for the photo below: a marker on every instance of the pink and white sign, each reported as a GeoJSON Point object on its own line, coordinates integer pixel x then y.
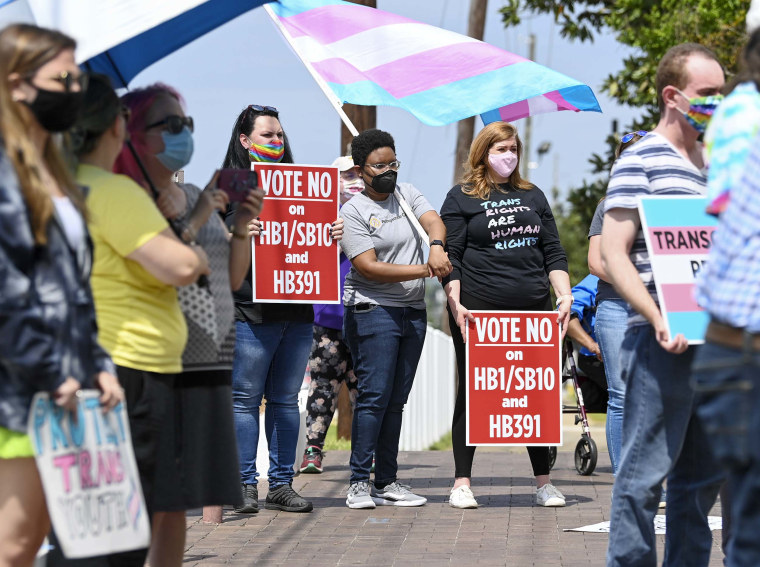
{"type": "Point", "coordinates": [678, 233]}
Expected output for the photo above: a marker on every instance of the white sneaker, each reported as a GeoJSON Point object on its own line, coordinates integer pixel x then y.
{"type": "Point", "coordinates": [548, 495]}
{"type": "Point", "coordinates": [396, 494]}
{"type": "Point", "coordinates": [358, 496]}
{"type": "Point", "coordinates": [461, 497]}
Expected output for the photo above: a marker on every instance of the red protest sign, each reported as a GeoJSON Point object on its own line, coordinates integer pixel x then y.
{"type": "Point", "coordinates": [295, 259]}
{"type": "Point", "coordinates": [514, 381]}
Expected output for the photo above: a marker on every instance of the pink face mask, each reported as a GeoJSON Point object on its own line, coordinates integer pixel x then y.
{"type": "Point", "coordinates": [503, 164]}
{"type": "Point", "coordinates": [350, 188]}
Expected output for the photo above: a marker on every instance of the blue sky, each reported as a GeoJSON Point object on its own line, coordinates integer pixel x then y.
{"type": "Point", "coordinates": [247, 61]}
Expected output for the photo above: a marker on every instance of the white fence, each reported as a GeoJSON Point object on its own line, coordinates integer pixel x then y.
{"type": "Point", "coordinates": [427, 415]}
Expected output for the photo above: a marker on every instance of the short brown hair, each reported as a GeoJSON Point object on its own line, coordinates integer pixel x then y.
{"type": "Point", "coordinates": [672, 68]}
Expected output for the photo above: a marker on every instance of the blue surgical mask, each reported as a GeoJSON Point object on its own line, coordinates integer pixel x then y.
{"type": "Point", "coordinates": [178, 149]}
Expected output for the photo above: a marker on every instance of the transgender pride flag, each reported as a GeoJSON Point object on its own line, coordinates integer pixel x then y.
{"type": "Point", "coordinates": [370, 57]}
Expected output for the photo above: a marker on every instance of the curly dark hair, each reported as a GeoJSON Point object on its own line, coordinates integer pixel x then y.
{"type": "Point", "coordinates": [367, 142]}
{"type": "Point", "coordinates": [237, 155]}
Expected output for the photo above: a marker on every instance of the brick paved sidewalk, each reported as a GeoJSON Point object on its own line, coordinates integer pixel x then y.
{"type": "Point", "coordinates": [507, 529]}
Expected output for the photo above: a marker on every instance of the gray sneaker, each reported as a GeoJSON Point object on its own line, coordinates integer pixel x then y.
{"type": "Point", "coordinates": [358, 496]}
{"type": "Point", "coordinates": [396, 494]}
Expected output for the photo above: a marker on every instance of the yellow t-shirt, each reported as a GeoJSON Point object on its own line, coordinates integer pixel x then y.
{"type": "Point", "coordinates": [139, 319]}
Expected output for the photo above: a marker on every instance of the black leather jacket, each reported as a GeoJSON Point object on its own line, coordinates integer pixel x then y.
{"type": "Point", "coordinates": [47, 317]}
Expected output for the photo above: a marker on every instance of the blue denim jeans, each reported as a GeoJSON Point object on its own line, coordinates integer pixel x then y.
{"type": "Point", "coordinates": [662, 438]}
{"type": "Point", "coordinates": [611, 324]}
{"type": "Point", "coordinates": [270, 361]}
{"type": "Point", "coordinates": [385, 343]}
{"type": "Point", "coordinates": [728, 404]}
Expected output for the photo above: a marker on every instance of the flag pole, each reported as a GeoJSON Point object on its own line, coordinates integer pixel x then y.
{"type": "Point", "coordinates": [338, 106]}
{"type": "Point", "coordinates": [336, 103]}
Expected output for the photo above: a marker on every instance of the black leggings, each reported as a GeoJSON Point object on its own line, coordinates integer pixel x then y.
{"type": "Point", "coordinates": [464, 453]}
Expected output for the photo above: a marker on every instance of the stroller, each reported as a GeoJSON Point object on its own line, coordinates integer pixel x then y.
{"type": "Point", "coordinates": [593, 385]}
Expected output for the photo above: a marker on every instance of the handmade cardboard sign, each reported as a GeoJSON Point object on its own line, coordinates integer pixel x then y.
{"type": "Point", "coordinates": [89, 475]}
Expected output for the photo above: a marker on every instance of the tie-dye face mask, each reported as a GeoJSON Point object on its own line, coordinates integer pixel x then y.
{"type": "Point", "coordinates": [271, 153]}
{"type": "Point", "coordinates": [701, 109]}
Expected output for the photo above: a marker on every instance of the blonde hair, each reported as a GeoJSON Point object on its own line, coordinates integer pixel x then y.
{"type": "Point", "coordinates": [24, 49]}
{"type": "Point", "coordinates": [475, 181]}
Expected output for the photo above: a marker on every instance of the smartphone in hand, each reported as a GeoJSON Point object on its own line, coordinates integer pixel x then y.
{"type": "Point", "coordinates": [237, 182]}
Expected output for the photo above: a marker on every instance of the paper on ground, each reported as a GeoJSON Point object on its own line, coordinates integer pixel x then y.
{"type": "Point", "coordinates": [715, 523]}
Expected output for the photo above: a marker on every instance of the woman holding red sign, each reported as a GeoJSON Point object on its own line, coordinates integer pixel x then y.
{"type": "Point", "coordinates": [505, 250]}
{"type": "Point", "coordinates": [272, 345]}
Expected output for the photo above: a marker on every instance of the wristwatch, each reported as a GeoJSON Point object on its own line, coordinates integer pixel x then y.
{"type": "Point", "coordinates": [437, 243]}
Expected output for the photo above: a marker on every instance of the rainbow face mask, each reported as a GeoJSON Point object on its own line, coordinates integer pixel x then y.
{"type": "Point", "coordinates": [271, 153]}
{"type": "Point", "coordinates": [700, 111]}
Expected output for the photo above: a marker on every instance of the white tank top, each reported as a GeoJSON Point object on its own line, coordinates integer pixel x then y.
{"type": "Point", "coordinates": [72, 222]}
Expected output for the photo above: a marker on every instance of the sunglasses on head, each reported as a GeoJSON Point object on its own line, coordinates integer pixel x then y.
{"type": "Point", "coordinates": [174, 124]}
{"type": "Point", "coordinates": [259, 108]}
{"type": "Point", "coordinates": [68, 80]}
{"type": "Point", "coordinates": [629, 136]}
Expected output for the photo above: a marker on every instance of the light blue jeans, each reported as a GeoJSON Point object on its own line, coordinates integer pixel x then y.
{"type": "Point", "coordinates": [610, 326]}
{"type": "Point", "coordinates": [728, 402]}
{"type": "Point", "coordinates": [270, 360]}
{"type": "Point", "coordinates": [662, 437]}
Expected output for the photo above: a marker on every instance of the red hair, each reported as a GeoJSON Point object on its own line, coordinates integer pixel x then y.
{"type": "Point", "coordinates": [139, 102]}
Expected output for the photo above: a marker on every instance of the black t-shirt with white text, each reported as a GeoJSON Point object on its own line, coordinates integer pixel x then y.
{"type": "Point", "coordinates": [502, 248]}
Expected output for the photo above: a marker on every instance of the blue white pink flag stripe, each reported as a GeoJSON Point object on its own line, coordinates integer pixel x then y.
{"type": "Point", "coordinates": [370, 57]}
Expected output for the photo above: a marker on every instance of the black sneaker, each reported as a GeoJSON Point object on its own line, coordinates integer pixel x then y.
{"type": "Point", "coordinates": [286, 499]}
{"type": "Point", "coordinates": [250, 499]}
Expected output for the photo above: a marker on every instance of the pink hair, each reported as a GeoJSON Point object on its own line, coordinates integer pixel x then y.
{"type": "Point", "coordinates": [139, 101]}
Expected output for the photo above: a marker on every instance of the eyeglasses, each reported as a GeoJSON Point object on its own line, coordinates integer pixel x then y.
{"type": "Point", "coordinates": [259, 108]}
{"type": "Point", "coordinates": [68, 80]}
{"type": "Point", "coordinates": [174, 124]}
{"type": "Point", "coordinates": [380, 167]}
{"type": "Point", "coordinates": [629, 136]}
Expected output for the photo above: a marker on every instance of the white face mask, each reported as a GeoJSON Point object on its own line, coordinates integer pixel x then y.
{"type": "Point", "coordinates": [503, 164]}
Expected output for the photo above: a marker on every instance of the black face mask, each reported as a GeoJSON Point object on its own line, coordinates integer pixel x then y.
{"type": "Point", "coordinates": [385, 182]}
{"type": "Point", "coordinates": [56, 111]}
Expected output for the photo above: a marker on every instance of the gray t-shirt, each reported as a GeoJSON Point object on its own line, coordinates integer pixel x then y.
{"type": "Point", "coordinates": [382, 225]}
{"type": "Point", "coordinates": [604, 290]}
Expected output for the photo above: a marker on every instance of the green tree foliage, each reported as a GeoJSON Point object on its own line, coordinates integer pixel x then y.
{"type": "Point", "coordinates": [650, 28]}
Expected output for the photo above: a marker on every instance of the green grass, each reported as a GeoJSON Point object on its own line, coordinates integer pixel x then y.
{"type": "Point", "coordinates": [443, 444]}
{"type": "Point", "coordinates": [332, 443]}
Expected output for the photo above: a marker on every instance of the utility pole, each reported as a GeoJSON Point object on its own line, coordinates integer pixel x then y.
{"type": "Point", "coordinates": [525, 160]}
{"type": "Point", "coordinates": [466, 128]}
{"type": "Point", "coordinates": [363, 117]}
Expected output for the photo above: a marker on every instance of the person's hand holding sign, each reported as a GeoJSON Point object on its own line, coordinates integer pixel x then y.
{"type": "Point", "coordinates": [111, 391]}
{"type": "Point", "coordinates": [563, 312]}
{"type": "Point", "coordinates": [65, 395]}
{"type": "Point", "coordinates": [336, 230]}
{"type": "Point", "coordinates": [676, 345]}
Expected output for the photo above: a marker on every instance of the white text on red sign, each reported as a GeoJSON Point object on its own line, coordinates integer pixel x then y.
{"type": "Point", "coordinates": [289, 183]}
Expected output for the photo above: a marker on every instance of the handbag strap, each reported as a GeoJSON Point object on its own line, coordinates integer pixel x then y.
{"type": "Point", "coordinates": [412, 218]}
